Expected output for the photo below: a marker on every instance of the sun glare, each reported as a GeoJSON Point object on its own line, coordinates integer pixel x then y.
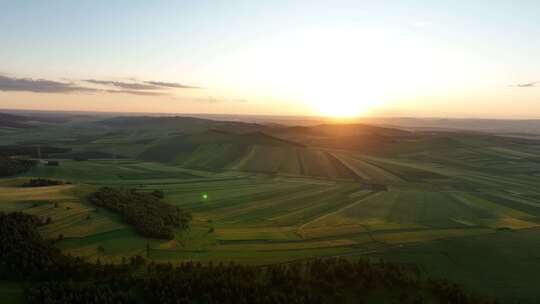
{"type": "Point", "coordinates": [336, 72]}
{"type": "Point", "coordinates": [339, 103]}
{"type": "Point", "coordinates": [340, 110]}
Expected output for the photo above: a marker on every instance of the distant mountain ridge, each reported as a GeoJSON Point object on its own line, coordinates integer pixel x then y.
{"type": "Point", "coordinates": [324, 150]}
{"type": "Point", "coordinates": [184, 124]}
{"type": "Point", "coordinates": [18, 121]}
{"type": "Point", "coordinates": [273, 149]}
{"type": "Point", "coordinates": [13, 121]}
{"type": "Point", "coordinates": [251, 152]}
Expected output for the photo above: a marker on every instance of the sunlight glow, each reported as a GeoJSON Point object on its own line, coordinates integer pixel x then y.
{"type": "Point", "coordinates": [340, 72]}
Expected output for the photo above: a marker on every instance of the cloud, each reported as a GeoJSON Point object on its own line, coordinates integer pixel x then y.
{"type": "Point", "coordinates": [213, 99]}
{"type": "Point", "coordinates": [526, 85]}
{"type": "Point", "coordinates": [135, 92]}
{"type": "Point", "coordinates": [39, 85]}
{"type": "Point", "coordinates": [51, 86]}
{"type": "Point", "coordinates": [171, 85]}
{"type": "Point", "coordinates": [66, 86]}
{"type": "Point", "coordinates": [124, 85]}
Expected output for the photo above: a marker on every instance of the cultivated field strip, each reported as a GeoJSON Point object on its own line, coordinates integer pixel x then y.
{"type": "Point", "coordinates": [276, 203]}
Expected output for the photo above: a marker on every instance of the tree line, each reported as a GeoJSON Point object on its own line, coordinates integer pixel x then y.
{"type": "Point", "coordinates": [53, 277]}
{"type": "Point", "coordinates": [11, 166]}
{"type": "Point", "coordinates": [147, 212]}
{"type": "Point", "coordinates": [30, 150]}
{"type": "Point", "coordinates": [25, 255]}
{"type": "Point", "coordinates": [43, 182]}
{"type": "Point", "coordinates": [311, 282]}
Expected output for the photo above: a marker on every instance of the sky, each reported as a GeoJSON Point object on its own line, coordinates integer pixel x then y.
{"type": "Point", "coordinates": [283, 57]}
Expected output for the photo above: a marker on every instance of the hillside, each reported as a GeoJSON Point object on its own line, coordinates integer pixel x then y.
{"type": "Point", "coordinates": [19, 121]}
{"type": "Point", "coordinates": [252, 152]}
{"type": "Point", "coordinates": [302, 151]}
{"type": "Point", "coordinates": [13, 121]}
{"type": "Point", "coordinates": [358, 137]}
{"type": "Point", "coordinates": [181, 124]}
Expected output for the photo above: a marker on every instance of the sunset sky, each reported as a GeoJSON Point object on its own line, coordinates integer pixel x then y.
{"type": "Point", "coordinates": [333, 58]}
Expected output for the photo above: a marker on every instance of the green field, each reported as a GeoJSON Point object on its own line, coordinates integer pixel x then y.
{"type": "Point", "coordinates": [461, 206]}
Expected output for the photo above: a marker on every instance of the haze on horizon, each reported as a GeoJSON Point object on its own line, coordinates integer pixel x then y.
{"type": "Point", "coordinates": [331, 58]}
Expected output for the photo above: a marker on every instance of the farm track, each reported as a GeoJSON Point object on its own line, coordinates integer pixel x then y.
{"type": "Point", "coordinates": [339, 210]}
{"type": "Point", "coordinates": [371, 233]}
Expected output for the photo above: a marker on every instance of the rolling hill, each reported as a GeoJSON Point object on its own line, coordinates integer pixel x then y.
{"type": "Point", "coordinates": [19, 121]}
{"type": "Point", "coordinates": [13, 121]}
{"type": "Point", "coordinates": [251, 152]}
{"type": "Point", "coordinates": [181, 124]}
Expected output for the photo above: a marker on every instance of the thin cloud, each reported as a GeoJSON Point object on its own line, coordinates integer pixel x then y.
{"type": "Point", "coordinates": [40, 85]}
{"type": "Point", "coordinates": [124, 85]}
{"type": "Point", "coordinates": [527, 85]}
{"type": "Point", "coordinates": [66, 86]}
{"type": "Point", "coordinates": [212, 99]}
{"type": "Point", "coordinates": [51, 86]}
{"type": "Point", "coordinates": [171, 85]}
{"type": "Point", "coordinates": [136, 92]}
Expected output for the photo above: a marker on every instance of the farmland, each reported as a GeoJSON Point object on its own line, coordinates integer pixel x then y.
{"type": "Point", "coordinates": [298, 193]}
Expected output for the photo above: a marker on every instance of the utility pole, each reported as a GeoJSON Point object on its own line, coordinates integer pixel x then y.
{"type": "Point", "coordinates": [39, 153]}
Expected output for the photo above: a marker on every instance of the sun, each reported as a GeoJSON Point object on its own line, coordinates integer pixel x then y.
{"type": "Point", "coordinates": [339, 98]}
{"type": "Point", "coordinates": [340, 111]}
{"type": "Point", "coordinates": [337, 72]}
{"type": "Point", "coordinates": [338, 107]}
